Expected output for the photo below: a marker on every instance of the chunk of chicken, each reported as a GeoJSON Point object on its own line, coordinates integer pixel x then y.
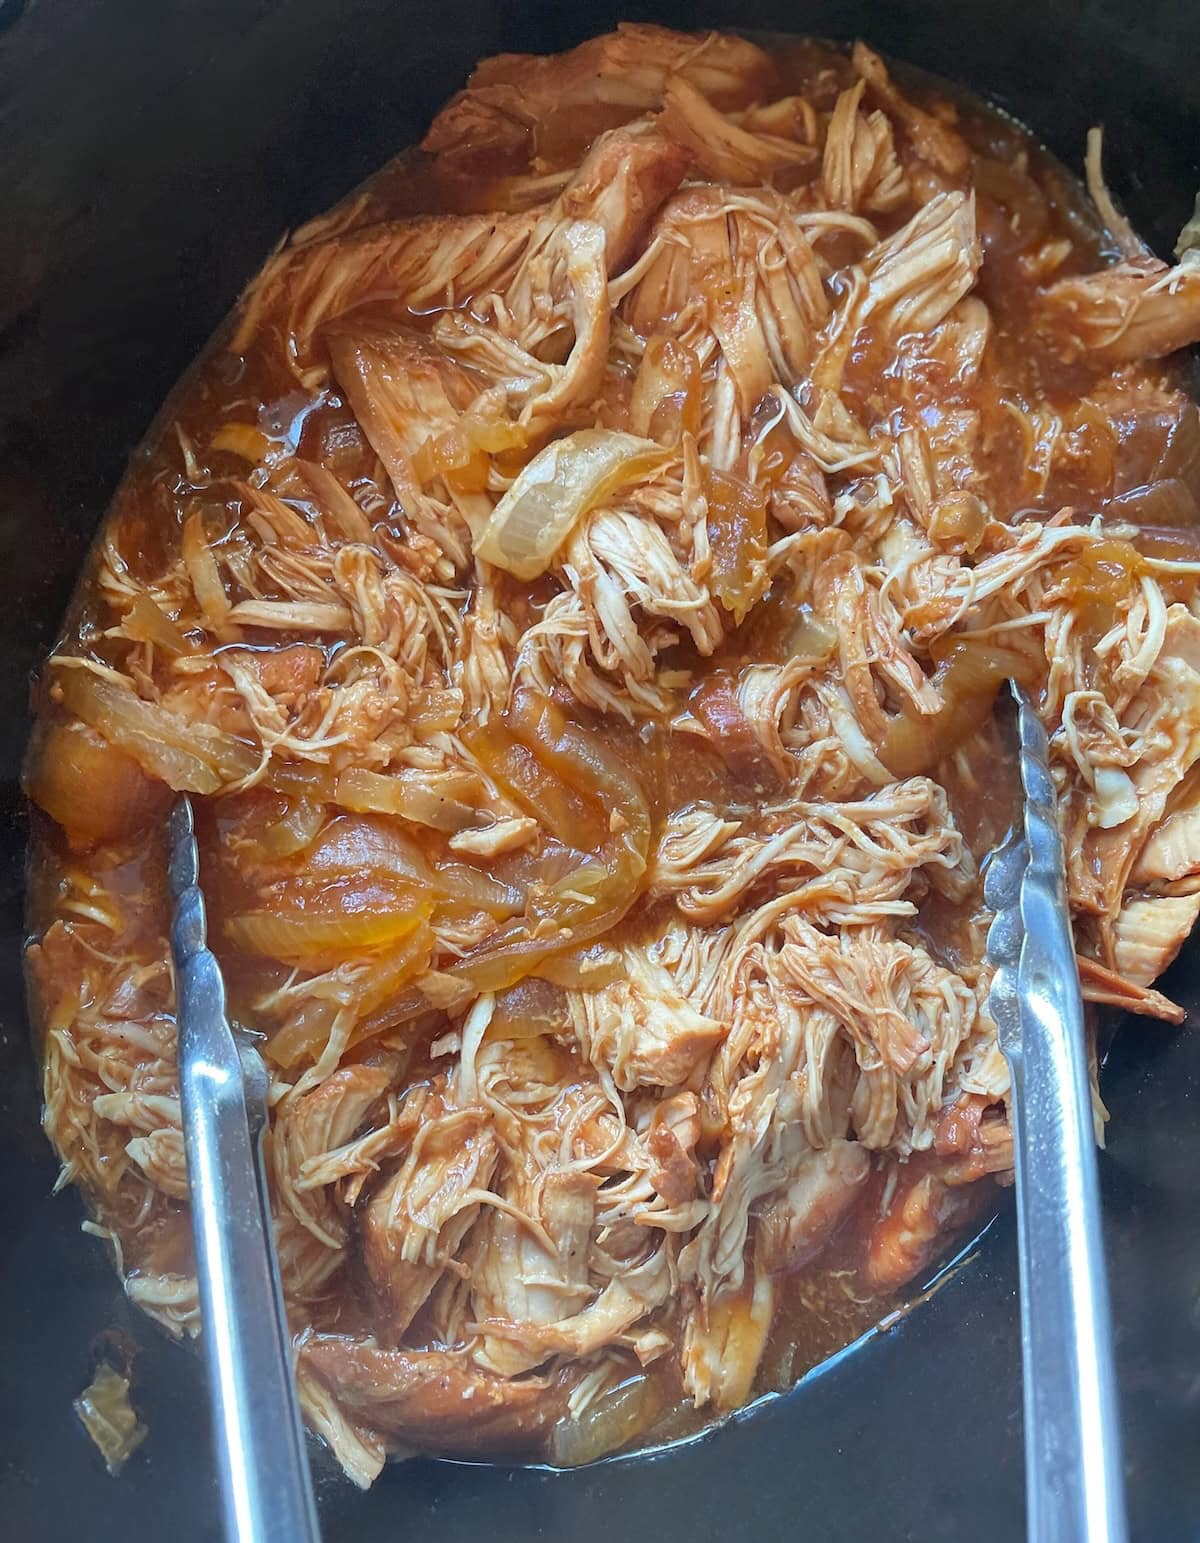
{"type": "Point", "coordinates": [672, 1141]}
{"type": "Point", "coordinates": [908, 283]}
{"type": "Point", "coordinates": [360, 1450]}
{"type": "Point", "coordinates": [308, 1137]}
{"type": "Point", "coordinates": [737, 270]}
{"type": "Point", "coordinates": [629, 1298]}
{"type": "Point", "coordinates": [417, 1220]}
{"type": "Point", "coordinates": [433, 1398]}
{"type": "Point", "coordinates": [723, 1343]}
{"type": "Point", "coordinates": [976, 1137]}
{"type": "Point", "coordinates": [640, 1029]}
{"type": "Point", "coordinates": [781, 1086]}
{"type": "Point", "coordinates": [109, 1034]}
{"type": "Point", "coordinates": [1137, 309]}
{"type": "Point", "coordinates": [907, 1017]}
{"type": "Point", "coordinates": [1165, 719]}
{"type": "Point", "coordinates": [1172, 851]}
{"type": "Point", "coordinates": [798, 1223]}
{"type": "Point", "coordinates": [932, 140]}
{"type": "Point", "coordinates": [534, 1268]}
{"type": "Point", "coordinates": [406, 394]}
{"type": "Point", "coordinates": [826, 857]}
{"type": "Point", "coordinates": [169, 1298]}
{"type": "Point", "coordinates": [414, 265]}
{"type": "Point", "coordinates": [872, 652]}
{"type": "Point", "coordinates": [721, 148]}
{"type": "Point", "coordinates": [623, 181]}
{"type": "Point", "coordinates": [627, 70]}
{"type": "Point", "coordinates": [903, 1242]}
{"type": "Point", "coordinates": [545, 336]}
{"type": "Point", "coordinates": [1150, 932]}
{"type": "Point", "coordinates": [632, 594]}
{"type": "Point", "coordinates": [482, 666]}
{"type": "Point", "coordinates": [859, 169]}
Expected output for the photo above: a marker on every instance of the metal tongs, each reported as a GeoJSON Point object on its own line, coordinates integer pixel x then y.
{"type": "Point", "coordinates": [1074, 1490]}
{"type": "Point", "coordinates": [266, 1487]}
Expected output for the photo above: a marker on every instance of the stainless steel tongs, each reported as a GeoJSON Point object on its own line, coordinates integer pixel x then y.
{"type": "Point", "coordinates": [1073, 1481]}
{"type": "Point", "coordinates": [266, 1487]}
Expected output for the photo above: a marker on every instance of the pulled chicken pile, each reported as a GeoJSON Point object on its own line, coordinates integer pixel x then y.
{"type": "Point", "coordinates": [575, 590]}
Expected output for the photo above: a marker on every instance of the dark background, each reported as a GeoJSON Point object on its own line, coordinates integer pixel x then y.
{"type": "Point", "coordinates": [151, 152]}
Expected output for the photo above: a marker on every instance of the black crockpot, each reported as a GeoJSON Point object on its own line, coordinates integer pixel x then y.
{"type": "Point", "coordinates": [151, 152]}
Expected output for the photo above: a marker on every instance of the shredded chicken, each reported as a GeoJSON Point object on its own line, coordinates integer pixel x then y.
{"type": "Point", "coordinates": [578, 619]}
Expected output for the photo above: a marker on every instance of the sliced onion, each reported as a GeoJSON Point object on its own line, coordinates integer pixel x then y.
{"type": "Point", "coordinates": [435, 712]}
{"type": "Point", "coordinates": [455, 458]}
{"type": "Point", "coordinates": [341, 514]}
{"type": "Point", "coordinates": [587, 969]}
{"type": "Point", "coordinates": [970, 673]}
{"type": "Point", "coordinates": [554, 492]}
{"type": "Point", "coordinates": [244, 440]}
{"type": "Point", "coordinates": [369, 987]}
{"type": "Point", "coordinates": [466, 886]}
{"type": "Point", "coordinates": [810, 638]}
{"type": "Point", "coordinates": [613, 1421]}
{"type": "Point", "coordinates": [95, 792]}
{"type": "Point", "coordinates": [1181, 459]}
{"type": "Point", "coordinates": [189, 756]}
{"type": "Point", "coordinates": [295, 829]}
{"type": "Point", "coordinates": [1189, 236]}
{"type": "Point", "coordinates": [557, 806]}
{"type": "Point", "coordinates": [380, 985]}
{"type": "Point", "coordinates": [304, 1035]}
{"type": "Point", "coordinates": [144, 622]}
{"type": "Point", "coordinates": [203, 572]}
{"type": "Point", "coordinates": [494, 434]}
{"type": "Point", "coordinates": [665, 403]}
{"type": "Point", "coordinates": [405, 794]}
{"type": "Point", "coordinates": [527, 1010]}
{"type": "Point", "coordinates": [737, 536]}
{"type": "Point", "coordinates": [302, 779]}
{"type": "Point", "coordinates": [296, 937]}
{"type": "Point", "coordinates": [580, 759]}
{"type": "Point", "coordinates": [959, 518]}
{"type": "Point", "coordinates": [1168, 503]}
{"type": "Point", "coordinates": [372, 849]}
{"type": "Point", "coordinates": [587, 879]}
{"type": "Point", "coordinates": [108, 1417]}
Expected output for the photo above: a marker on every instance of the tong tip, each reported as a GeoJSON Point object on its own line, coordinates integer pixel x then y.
{"type": "Point", "coordinates": [183, 861]}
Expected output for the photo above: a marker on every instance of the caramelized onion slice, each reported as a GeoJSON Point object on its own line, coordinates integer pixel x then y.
{"type": "Point", "coordinates": [554, 492]}
{"type": "Point", "coordinates": [586, 969]}
{"type": "Point", "coordinates": [407, 795]}
{"type": "Point", "coordinates": [295, 829]}
{"type": "Point", "coordinates": [95, 792]}
{"type": "Point", "coordinates": [566, 918]}
{"type": "Point", "coordinates": [613, 1421]}
{"type": "Point", "coordinates": [189, 756]}
{"type": "Point", "coordinates": [970, 672]}
{"type": "Point", "coordinates": [145, 622]}
{"type": "Point", "coordinates": [557, 806]}
{"type": "Point", "coordinates": [296, 937]}
{"type": "Point", "coordinates": [528, 1010]}
{"type": "Point", "coordinates": [665, 403]}
{"type": "Point", "coordinates": [737, 536]}
{"type": "Point", "coordinates": [467, 886]}
{"type": "Point", "coordinates": [367, 986]}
